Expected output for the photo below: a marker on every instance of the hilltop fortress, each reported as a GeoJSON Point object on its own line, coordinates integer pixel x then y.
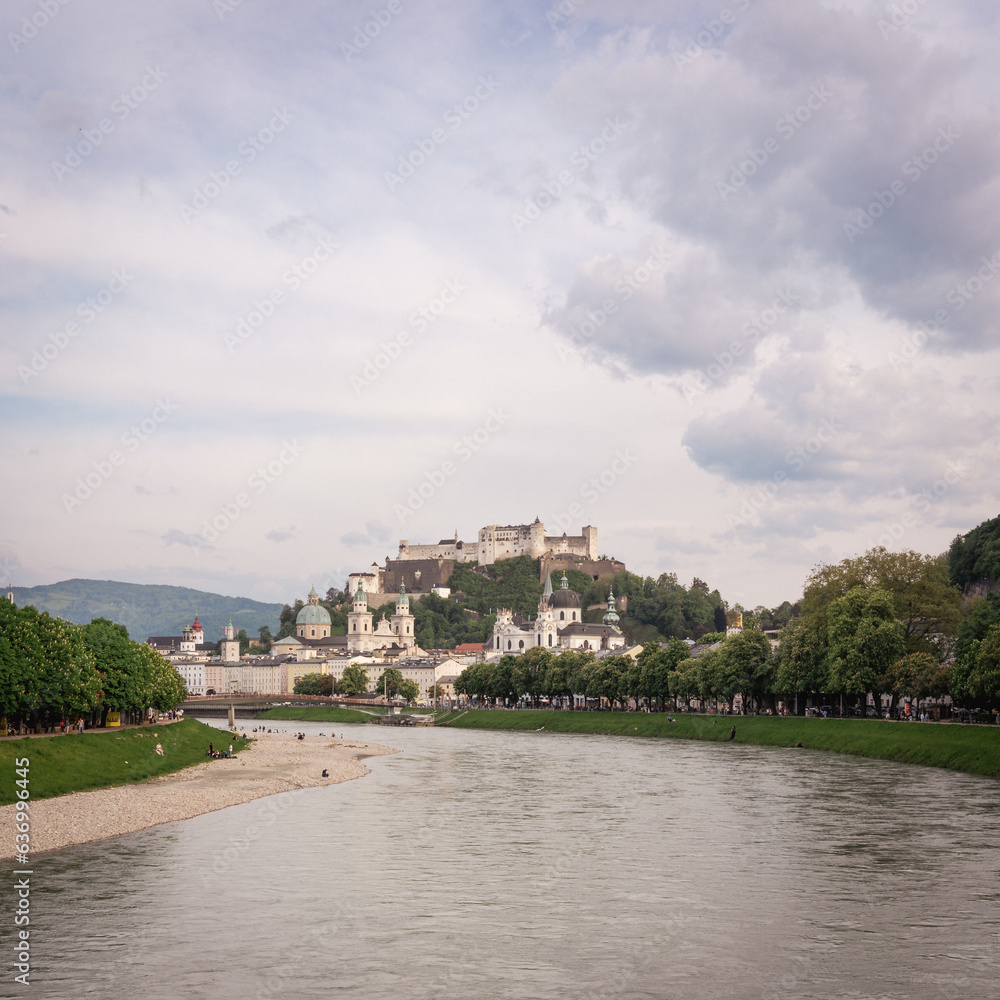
{"type": "Point", "coordinates": [425, 568]}
{"type": "Point", "coordinates": [507, 541]}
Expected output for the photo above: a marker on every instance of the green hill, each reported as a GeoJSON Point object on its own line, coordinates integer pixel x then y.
{"type": "Point", "coordinates": [149, 609]}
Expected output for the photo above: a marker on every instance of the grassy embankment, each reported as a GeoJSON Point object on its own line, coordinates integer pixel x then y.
{"type": "Point", "coordinates": [315, 713]}
{"type": "Point", "coordinates": [73, 763]}
{"type": "Point", "coordinates": [972, 749]}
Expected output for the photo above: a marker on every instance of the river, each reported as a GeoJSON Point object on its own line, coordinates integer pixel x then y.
{"type": "Point", "coordinates": [523, 865]}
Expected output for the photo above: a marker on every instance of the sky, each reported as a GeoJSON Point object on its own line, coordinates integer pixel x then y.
{"type": "Point", "coordinates": [284, 284]}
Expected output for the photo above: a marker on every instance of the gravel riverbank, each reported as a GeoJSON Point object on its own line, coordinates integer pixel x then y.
{"type": "Point", "coordinates": [275, 762]}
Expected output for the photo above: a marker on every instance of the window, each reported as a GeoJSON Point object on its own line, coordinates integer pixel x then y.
{"type": "Point", "coordinates": [550, 638]}
{"type": "Point", "coordinates": [562, 616]}
{"type": "Point", "coordinates": [508, 643]}
{"type": "Point", "coordinates": [574, 616]}
{"type": "Point", "coordinates": [520, 645]}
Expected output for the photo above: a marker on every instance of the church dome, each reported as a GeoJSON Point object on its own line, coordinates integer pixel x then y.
{"type": "Point", "coordinates": [313, 614]}
{"type": "Point", "coordinates": [564, 597]}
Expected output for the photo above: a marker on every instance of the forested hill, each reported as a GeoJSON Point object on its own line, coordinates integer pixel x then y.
{"type": "Point", "coordinates": [148, 609]}
{"type": "Point", "coordinates": [974, 558]}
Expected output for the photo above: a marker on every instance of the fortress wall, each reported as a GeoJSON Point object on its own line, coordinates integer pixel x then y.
{"type": "Point", "coordinates": [419, 575]}
{"type": "Point", "coordinates": [594, 568]}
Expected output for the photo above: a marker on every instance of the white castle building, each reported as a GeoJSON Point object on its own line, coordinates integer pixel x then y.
{"type": "Point", "coordinates": [558, 626]}
{"type": "Point", "coordinates": [496, 542]}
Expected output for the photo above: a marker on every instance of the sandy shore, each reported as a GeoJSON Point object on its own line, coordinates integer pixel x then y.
{"type": "Point", "coordinates": [276, 762]}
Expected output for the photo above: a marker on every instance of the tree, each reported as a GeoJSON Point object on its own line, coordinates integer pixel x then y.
{"type": "Point", "coordinates": [314, 684]}
{"type": "Point", "coordinates": [923, 598]}
{"type": "Point", "coordinates": [388, 683]}
{"type": "Point", "coordinates": [500, 679]}
{"type": "Point", "coordinates": [747, 662]}
{"type": "Point", "coordinates": [69, 684]}
{"type": "Point", "coordinates": [286, 620]}
{"type": "Point", "coordinates": [529, 672]}
{"type": "Point", "coordinates": [126, 679]}
{"type": "Point", "coordinates": [408, 690]}
{"type": "Point", "coordinates": [976, 677]}
{"type": "Point", "coordinates": [800, 661]}
{"type": "Point", "coordinates": [265, 639]}
{"type": "Point", "coordinates": [167, 686]}
{"type": "Point", "coordinates": [865, 640]}
{"type": "Point", "coordinates": [917, 676]}
{"type": "Point", "coordinates": [986, 679]}
{"type": "Point", "coordinates": [608, 679]}
{"type": "Point", "coordinates": [354, 681]}
{"type": "Point", "coordinates": [21, 657]}
{"type": "Point", "coordinates": [974, 558]}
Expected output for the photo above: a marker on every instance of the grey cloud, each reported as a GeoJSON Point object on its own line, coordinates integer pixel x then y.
{"type": "Point", "coordinates": [761, 157]}
{"type": "Point", "coordinates": [375, 532]}
{"type": "Point", "coordinates": [867, 432]}
{"type": "Point", "coordinates": [174, 536]}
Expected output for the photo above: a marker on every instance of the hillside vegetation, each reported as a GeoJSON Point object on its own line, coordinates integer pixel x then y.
{"type": "Point", "coordinates": [974, 558]}
{"type": "Point", "coordinates": [148, 609]}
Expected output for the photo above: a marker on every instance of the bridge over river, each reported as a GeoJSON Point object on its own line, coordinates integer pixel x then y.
{"type": "Point", "coordinates": [247, 706]}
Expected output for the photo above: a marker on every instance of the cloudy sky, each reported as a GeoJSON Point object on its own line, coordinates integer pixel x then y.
{"type": "Point", "coordinates": [286, 283]}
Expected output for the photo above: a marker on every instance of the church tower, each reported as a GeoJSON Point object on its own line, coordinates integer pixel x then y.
{"type": "Point", "coordinates": [546, 630]}
{"type": "Point", "coordinates": [359, 624]}
{"type": "Point", "coordinates": [402, 620]}
{"type": "Point", "coordinates": [230, 644]}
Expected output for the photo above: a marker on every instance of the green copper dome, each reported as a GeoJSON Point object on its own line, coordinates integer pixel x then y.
{"type": "Point", "coordinates": [313, 614]}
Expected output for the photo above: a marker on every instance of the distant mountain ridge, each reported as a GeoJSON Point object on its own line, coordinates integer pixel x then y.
{"type": "Point", "coordinates": [149, 609]}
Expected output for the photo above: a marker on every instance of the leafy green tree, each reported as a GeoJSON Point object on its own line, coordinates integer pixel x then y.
{"type": "Point", "coordinates": [286, 620]}
{"type": "Point", "coordinates": [21, 657]}
{"type": "Point", "coordinates": [711, 638]}
{"type": "Point", "coordinates": [314, 684]}
{"type": "Point", "coordinates": [167, 686]}
{"type": "Point", "coordinates": [865, 640]}
{"type": "Point", "coordinates": [976, 676]}
{"type": "Point", "coordinates": [529, 672]}
{"type": "Point", "coordinates": [748, 662]}
{"type": "Point", "coordinates": [986, 679]}
{"type": "Point", "coordinates": [408, 690]}
{"type": "Point", "coordinates": [126, 674]}
{"type": "Point", "coordinates": [500, 680]}
{"type": "Point", "coordinates": [608, 679]}
{"type": "Point", "coordinates": [389, 682]}
{"type": "Point", "coordinates": [69, 684]}
{"type": "Point", "coordinates": [265, 639]}
{"type": "Point", "coordinates": [918, 676]}
{"type": "Point", "coordinates": [354, 680]}
{"type": "Point", "coordinates": [800, 660]}
{"type": "Point", "coordinates": [923, 599]}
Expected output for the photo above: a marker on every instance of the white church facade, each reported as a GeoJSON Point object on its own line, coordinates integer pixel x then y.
{"type": "Point", "coordinates": [558, 626]}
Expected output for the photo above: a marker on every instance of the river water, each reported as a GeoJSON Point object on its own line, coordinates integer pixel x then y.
{"type": "Point", "coordinates": [528, 865]}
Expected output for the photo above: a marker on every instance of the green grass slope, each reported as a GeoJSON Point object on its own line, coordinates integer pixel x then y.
{"type": "Point", "coordinates": [73, 763]}
{"type": "Point", "coordinates": [318, 713]}
{"type": "Point", "coordinates": [972, 749]}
